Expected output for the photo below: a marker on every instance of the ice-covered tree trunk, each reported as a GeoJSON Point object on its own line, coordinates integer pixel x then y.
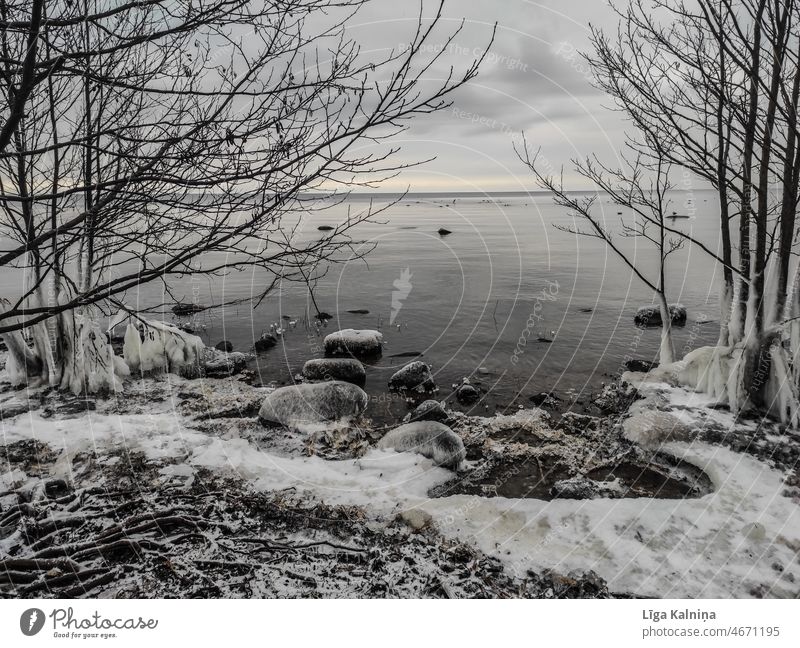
{"type": "Point", "coordinates": [667, 351]}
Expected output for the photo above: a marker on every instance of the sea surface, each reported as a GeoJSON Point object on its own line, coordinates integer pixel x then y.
{"type": "Point", "coordinates": [507, 299]}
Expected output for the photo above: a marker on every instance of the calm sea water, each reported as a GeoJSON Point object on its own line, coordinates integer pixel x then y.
{"type": "Point", "coordinates": [477, 298]}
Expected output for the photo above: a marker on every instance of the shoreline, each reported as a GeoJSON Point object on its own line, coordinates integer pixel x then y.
{"type": "Point", "coordinates": [166, 436]}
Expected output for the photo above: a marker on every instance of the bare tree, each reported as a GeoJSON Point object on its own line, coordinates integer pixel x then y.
{"type": "Point", "coordinates": [713, 86]}
{"type": "Point", "coordinates": [648, 204]}
{"type": "Point", "coordinates": [168, 139]}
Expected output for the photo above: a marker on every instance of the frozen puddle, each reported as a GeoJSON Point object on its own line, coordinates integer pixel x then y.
{"type": "Point", "coordinates": [540, 478]}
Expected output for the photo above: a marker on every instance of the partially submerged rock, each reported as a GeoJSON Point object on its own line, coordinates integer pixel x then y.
{"type": "Point", "coordinates": [265, 342]}
{"type": "Point", "coordinates": [347, 369]}
{"type": "Point", "coordinates": [443, 231]}
{"type": "Point", "coordinates": [224, 345]}
{"type": "Point", "coordinates": [299, 405]}
{"type": "Point", "coordinates": [428, 438]}
{"type": "Point", "coordinates": [352, 342]}
{"type": "Point", "coordinates": [415, 376]}
{"type": "Point", "coordinates": [467, 394]}
{"type": "Point", "coordinates": [545, 399]}
{"type": "Point", "coordinates": [651, 315]}
{"type": "Point", "coordinates": [181, 310]}
{"type": "Point", "coordinates": [219, 364]}
{"type": "Point", "coordinates": [640, 366]}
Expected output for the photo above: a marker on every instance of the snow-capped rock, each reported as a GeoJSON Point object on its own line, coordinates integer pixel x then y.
{"type": "Point", "coordinates": [347, 369]}
{"type": "Point", "coordinates": [651, 428]}
{"type": "Point", "coordinates": [429, 410]}
{"type": "Point", "coordinates": [352, 342]}
{"type": "Point", "coordinates": [415, 376]}
{"type": "Point", "coordinates": [218, 364]}
{"type": "Point", "coordinates": [430, 439]}
{"type": "Point", "coordinates": [299, 406]}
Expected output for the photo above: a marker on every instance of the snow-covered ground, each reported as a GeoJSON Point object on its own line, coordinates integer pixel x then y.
{"type": "Point", "coordinates": [743, 537]}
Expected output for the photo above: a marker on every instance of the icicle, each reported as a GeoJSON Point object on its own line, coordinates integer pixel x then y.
{"type": "Point", "coordinates": [132, 349]}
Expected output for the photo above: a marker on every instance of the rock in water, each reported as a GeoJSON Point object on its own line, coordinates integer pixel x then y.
{"type": "Point", "coordinates": [651, 315]}
{"type": "Point", "coordinates": [358, 311]}
{"type": "Point", "coordinates": [352, 342]}
{"type": "Point", "coordinates": [225, 346]}
{"type": "Point", "coordinates": [466, 394]}
{"type": "Point", "coordinates": [313, 403]}
{"type": "Point", "coordinates": [545, 399]}
{"type": "Point", "coordinates": [430, 439]}
{"type": "Point", "coordinates": [444, 231]}
{"type": "Point", "coordinates": [219, 364]}
{"type": "Point", "coordinates": [265, 342]}
{"type": "Point", "coordinates": [640, 366]}
{"type": "Point", "coordinates": [346, 369]}
{"type": "Point", "coordinates": [182, 310]}
{"type": "Point", "coordinates": [325, 228]}
{"type": "Point", "coordinates": [415, 376]}
{"type": "Point", "coordinates": [429, 410]}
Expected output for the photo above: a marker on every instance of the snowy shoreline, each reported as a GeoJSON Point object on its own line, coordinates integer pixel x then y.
{"type": "Point", "coordinates": [741, 539]}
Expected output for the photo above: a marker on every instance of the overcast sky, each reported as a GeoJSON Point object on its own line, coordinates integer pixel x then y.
{"type": "Point", "coordinates": [533, 80]}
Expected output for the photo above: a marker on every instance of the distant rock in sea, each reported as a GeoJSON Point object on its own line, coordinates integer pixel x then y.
{"type": "Point", "coordinates": [182, 310]}
{"type": "Point", "coordinates": [651, 315]}
{"type": "Point", "coordinates": [358, 311]}
{"type": "Point", "coordinates": [325, 228]}
{"type": "Point", "coordinates": [444, 232]}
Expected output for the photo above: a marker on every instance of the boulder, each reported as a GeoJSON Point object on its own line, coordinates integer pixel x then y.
{"type": "Point", "coordinates": [429, 410]}
{"type": "Point", "coordinates": [428, 438]}
{"type": "Point", "coordinates": [220, 364]}
{"type": "Point", "coordinates": [265, 342]}
{"type": "Point", "coordinates": [651, 428]}
{"type": "Point", "coordinates": [298, 405]}
{"type": "Point", "coordinates": [467, 394]}
{"type": "Point", "coordinates": [225, 346]}
{"type": "Point", "coordinates": [415, 376]}
{"type": "Point", "coordinates": [651, 315]}
{"type": "Point", "coordinates": [346, 369]}
{"type": "Point", "coordinates": [352, 342]}
{"type": "Point", "coordinates": [640, 366]}
{"type": "Point", "coordinates": [545, 399]}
